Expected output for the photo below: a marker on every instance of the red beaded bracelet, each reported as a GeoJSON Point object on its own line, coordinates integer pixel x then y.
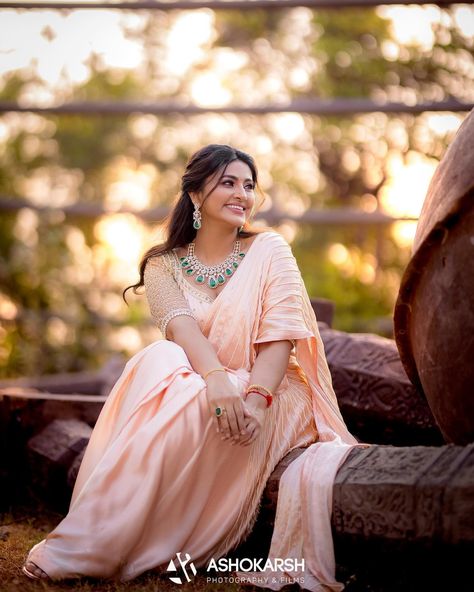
{"type": "Point", "coordinates": [268, 397]}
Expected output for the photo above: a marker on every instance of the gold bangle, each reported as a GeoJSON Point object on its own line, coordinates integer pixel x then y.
{"type": "Point", "coordinates": [221, 369]}
{"type": "Point", "coordinates": [259, 387]}
{"type": "Point", "coordinates": [258, 393]}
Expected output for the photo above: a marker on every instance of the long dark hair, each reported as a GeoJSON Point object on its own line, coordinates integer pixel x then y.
{"type": "Point", "coordinates": [179, 230]}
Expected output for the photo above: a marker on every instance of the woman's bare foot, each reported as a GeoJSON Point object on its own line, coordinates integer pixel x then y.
{"type": "Point", "coordinates": [34, 572]}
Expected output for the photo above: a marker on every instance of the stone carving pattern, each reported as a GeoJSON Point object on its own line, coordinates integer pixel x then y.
{"type": "Point", "coordinates": [368, 377]}
{"type": "Point", "coordinates": [422, 493]}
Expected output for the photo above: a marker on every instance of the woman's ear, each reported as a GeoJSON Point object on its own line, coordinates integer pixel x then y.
{"type": "Point", "coordinates": [195, 198]}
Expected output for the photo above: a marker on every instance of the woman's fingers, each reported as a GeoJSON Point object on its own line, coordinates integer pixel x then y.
{"type": "Point", "coordinates": [252, 428]}
{"type": "Point", "coordinates": [253, 434]}
{"type": "Point", "coordinates": [235, 421]}
{"type": "Point", "coordinates": [218, 420]}
{"type": "Point", "coordinates": [225, 428]}
{"type": "Point", "coordinates": [245, 440]}
{"type": "Point", "coordinates": [233, 425]}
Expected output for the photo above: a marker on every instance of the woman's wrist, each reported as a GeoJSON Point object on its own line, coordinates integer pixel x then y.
{"type": "Point", "coordinates": [216, 371]}
{"type": "Point", "coordinates": [256, 400]}
{"type": "Point", "coordinates": [262, 391]}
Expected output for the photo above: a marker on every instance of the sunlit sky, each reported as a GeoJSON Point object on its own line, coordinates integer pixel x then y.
{"type": "Point", "coordinates": [59, 45]}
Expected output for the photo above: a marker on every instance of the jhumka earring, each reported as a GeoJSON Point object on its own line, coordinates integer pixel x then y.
{"type": "Point", "coordinates": [196, 217]}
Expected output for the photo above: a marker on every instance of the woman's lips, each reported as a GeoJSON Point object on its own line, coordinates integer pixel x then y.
{"type": "Point", "coordinates": [235, 209]}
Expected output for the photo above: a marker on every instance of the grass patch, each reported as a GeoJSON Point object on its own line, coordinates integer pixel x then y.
{"type": "Point", "coordinates": [24, 527]}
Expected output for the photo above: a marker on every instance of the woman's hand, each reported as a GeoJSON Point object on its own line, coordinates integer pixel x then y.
{"type": "Point", "coordinates": [254, 411]}
{"type": "Point", "coordinates": [221, 392]}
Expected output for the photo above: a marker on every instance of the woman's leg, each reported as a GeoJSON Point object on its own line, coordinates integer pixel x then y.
{"type": "Point", "coordinates": [153, 468]}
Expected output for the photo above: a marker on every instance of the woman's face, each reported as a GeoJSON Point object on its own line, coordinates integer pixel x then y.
{"type": "Point", "coordinates": [236, 187]}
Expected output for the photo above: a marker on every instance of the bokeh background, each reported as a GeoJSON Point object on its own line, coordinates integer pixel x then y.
{"type": "Point", "coordinates": [84, 194]}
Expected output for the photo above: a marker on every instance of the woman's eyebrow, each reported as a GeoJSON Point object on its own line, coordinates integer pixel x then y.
{"type": "Point", "coordinates": [234, 177]}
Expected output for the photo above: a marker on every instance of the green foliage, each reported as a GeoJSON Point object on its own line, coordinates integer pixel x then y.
{"type": "Point", "coordinates": [349, 48]}
{"type": "Point", "coordinates": [52, 160]}
{"type": "Point", "coordinates": [240, 29]}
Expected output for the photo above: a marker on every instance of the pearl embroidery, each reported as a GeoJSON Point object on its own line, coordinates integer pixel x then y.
{"type": "Point", "coordinates": [165, 299]}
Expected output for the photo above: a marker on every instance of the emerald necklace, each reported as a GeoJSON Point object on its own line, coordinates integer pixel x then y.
{"type": "Point", "coordinates": [214, 275]}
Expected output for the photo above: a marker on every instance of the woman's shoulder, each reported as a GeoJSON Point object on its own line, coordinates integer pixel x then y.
{"type": "Point", "coordinates": [272, 236]}
{"type": "Point", "coordinates": [160, 260]}
{"type": "Point", "coordinates": [274, 240]}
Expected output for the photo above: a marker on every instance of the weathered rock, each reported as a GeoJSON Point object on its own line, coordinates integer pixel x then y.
{"type": "Point", "coordinates": [434, 313]}
{"type": "Point", "coordinates": [417, 493]}
{"type": "Point", "coordinates": [324, 310]}
{"type": "Point", "coordinates": [74, 469]}
{"type": "Point", "coordinates": [422, 496]}
{"type": "Point", "coordinates": [86, 383]}
{"type": "Point", "coordinates": [61, 441]}
{"type": "Point", "coordinates": [51, 454]}
{"type": "Point", "coordinates": [32, 410]}
{"type": "Point", "coordinates": [377, 400]}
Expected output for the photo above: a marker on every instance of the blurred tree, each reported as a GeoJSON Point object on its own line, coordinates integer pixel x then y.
{"type": "Point", "coordinates": [61, 277]}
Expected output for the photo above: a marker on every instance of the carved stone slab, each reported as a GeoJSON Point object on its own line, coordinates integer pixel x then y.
{"type": "Point", "coordinates": [394, 498]}
{"type": "Point", "coordinates": [61, 441]}
{"type": "Point", "coordinates": [408, 494]}
{"type": "Point", "coordinates": [50, 455]}
{"type": "Point", "coordinates": [376, 398]}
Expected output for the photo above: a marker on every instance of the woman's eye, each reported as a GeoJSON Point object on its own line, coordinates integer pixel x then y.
{"type": "Point", "coordinates": [250, 188]}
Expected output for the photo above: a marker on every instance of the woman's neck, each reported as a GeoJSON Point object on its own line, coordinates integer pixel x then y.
{"type": "Point", "coordinates": [212, 245]}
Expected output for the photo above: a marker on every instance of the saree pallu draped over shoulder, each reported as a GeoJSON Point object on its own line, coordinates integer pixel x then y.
{"type": "Point", "coordinates": [280, 308]}
{"type": "Point", "coordinates": [156, 478]}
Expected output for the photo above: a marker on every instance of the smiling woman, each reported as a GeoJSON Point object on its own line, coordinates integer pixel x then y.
{"type": "Point", "coordinates": [190, 433]}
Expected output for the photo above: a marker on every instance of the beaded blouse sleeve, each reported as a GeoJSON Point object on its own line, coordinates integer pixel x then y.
{"type": "Point", "coordinates": [165, 299]}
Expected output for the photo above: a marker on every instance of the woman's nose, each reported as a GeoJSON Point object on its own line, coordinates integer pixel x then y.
{"type": "Point", "coordinates": [239, 190]}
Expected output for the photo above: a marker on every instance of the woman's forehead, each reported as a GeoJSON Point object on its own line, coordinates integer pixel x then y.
{"type": "Point", "coordinates": [236, 168]}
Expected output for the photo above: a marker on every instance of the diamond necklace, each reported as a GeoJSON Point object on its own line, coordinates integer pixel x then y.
{"type": "Point", "coordinates": [216, 274]}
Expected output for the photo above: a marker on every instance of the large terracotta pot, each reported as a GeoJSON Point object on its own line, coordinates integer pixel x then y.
{"type": "Point", "coordinates": [434, 313]}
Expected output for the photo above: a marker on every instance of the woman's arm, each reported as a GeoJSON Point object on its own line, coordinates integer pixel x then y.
{"type": "Point", "coordinates": [269, 368]}
{"type": "Point", "coordinates": [186, 332]}
{"type": "Point", "coordinates": [171, 312]}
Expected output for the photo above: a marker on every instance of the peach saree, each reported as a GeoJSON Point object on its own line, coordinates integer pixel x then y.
{"type": "Point", "coordinates": [156, 478]}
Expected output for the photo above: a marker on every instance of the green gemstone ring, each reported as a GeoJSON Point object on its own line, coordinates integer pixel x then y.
{"type": "Point", "coordinates": [220, 411]}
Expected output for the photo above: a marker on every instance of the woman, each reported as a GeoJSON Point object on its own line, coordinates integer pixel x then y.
{"type": "Point", "coordinates": [193, 428]}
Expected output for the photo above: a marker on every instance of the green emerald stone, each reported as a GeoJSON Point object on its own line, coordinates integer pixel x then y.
{"type": "Point", "coordinates": [184, 263]}
{"type": "Point", "coordinates": [235, 265]}
{"type": "Point", "coordinates": [212, 283]}
{"type": "Point", "coordinates": [200, 279]}
{"type": "Point", "coordinates": [241, 254]}
{"type": "Point", "coordinates": [228, 271]}
{"type": "Point", "coordinates": [189, 271]}
{"type": "Point", "coordinates": [220, 279]}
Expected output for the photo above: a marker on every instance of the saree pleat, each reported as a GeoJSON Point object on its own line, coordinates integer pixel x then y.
{"type": "Point", "coordinates": [156, 478]}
